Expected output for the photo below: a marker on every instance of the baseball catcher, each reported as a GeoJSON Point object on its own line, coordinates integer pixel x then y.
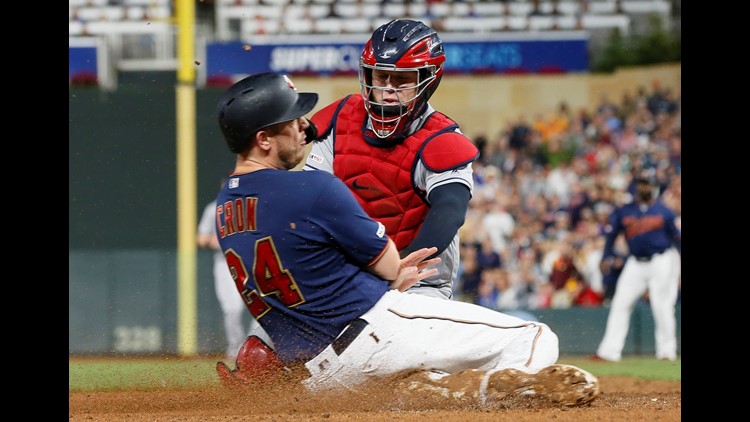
{"type": "Point", "coordinates": [408, 165]}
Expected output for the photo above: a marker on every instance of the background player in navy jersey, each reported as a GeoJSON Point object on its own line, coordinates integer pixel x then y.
{"type": "Point", "coordinates": [653, 266]}
{"type": "Point", "coordinates": [327, 283]}
{"type": "Point", "coordinates": [408, 165]}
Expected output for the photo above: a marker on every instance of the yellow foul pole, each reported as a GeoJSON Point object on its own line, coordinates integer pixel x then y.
{"type": "Point", "coordinates": [187, 292]}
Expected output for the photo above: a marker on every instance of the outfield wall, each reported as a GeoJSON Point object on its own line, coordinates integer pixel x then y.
{"type": "Point", "coordinates": [124, 302]}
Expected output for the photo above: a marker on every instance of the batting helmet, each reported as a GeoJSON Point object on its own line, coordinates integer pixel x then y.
{"type": "Point", "coordinates": [258, 101]}
{"type": "Point", "coordinates": [401, 45]}
{"type": "Point", "coordinates": [256, 363]}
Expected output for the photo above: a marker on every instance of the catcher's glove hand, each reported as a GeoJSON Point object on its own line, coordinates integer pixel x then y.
{"type": "Point", "coordinates": [311, 133]}
{"type": "Point", "coordinates": [256, 363]}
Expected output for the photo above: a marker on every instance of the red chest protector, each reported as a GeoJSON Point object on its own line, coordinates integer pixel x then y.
{"type": "Point", "coordinates": [381, 178]}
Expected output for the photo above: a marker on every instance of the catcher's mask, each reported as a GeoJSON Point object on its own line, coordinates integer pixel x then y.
{"type": "Point", "coordinates": [258, 101]}
{"type": "Point", "coordinates": [401, 45]}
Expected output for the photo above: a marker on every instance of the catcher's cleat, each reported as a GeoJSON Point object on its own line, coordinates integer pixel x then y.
{"type": "Point", "coordinates": [564, 384]}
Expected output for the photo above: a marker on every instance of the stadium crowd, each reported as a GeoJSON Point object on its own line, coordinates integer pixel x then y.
{"type": "Point", "coordinates": [544, 189]}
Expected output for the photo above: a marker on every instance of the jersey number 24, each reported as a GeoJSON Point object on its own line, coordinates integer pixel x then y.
{"type": "Point", "coordinates": [269, 275]}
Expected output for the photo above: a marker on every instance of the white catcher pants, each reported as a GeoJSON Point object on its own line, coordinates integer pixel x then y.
{"type": "Point", "coordinates": [410, 331]}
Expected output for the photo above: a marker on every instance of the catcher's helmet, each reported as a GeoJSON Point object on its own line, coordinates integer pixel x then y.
{"type": "Point", "coordinates": [258, 101]}
{"type": "Point", "coordinates": [401, 45]}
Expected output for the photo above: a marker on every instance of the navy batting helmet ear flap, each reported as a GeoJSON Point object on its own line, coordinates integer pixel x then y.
{"type": "Point", "coordinates": [258, 101]}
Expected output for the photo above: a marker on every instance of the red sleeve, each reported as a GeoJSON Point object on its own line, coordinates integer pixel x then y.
{"type": "Point", "coordinates": [323, 118]}
{"type": "Point", "coordinates": [448, 151]}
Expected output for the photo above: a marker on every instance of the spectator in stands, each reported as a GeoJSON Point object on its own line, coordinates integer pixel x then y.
{"type": "Point", "coordinates": [527, 276]}
{"type": "Point", "coordinates": [531, 181]}
{"type": "Point", "coordinates": [332, 12]}
{"type": "Point", "coordinates": [579, 201]}
{"type": "Point", "coordinates": [628, 139]}
{"type": "Point", "coordinates": [486, 183]}
{"type": "Point", "coordinates": [562, 268]}
{"type": "Point", "coordinates": [498, 224]}
{"type": "Point", "coordinates": [466, 287]}
{"type": "Point", "coordinates": [487, 256]}
{"type": "Point", "coordinates": [628, 104]}
{"type": "Point", "coordinates": [520, 134]}
{"type": "Point", "coordinates": [487, 293]}
{"type": "Point", "coordinates": [536, 8]}
{"type": "Point", "coordinates": [584, 295]}
{"type": "Point", "coordinates": [560, 179]}
{"type": "Point", "coordinates": [509, 295]}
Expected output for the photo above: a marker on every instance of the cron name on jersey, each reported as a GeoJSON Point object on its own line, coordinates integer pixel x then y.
{"type": "Point", "coordinates": [237, 216]}
{"type": "Point", "coordinates": [635, 226]}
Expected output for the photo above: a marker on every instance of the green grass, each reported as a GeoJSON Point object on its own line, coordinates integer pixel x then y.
{"type": "Point", "coordinates": [111, 374]}
{"type": "Point", "coordinates": [632, 366]}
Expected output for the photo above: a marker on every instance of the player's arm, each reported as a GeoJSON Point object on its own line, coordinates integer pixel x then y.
{"type": "Point", "coordinates": [612, 231]}
{"type": "Point", "coordinates": [671, 228]}
{"type": "Point", "coordinates": [447, 159]}
{"type": "Point", "coordinates": [364, 240]}
{"type": "Point", "coordinates": [387, 264]}
{"type": "Point", "coordinates": [448, 206]}
{"type": "Point", "coordinates": [404, 273]}
{"type": "Point", "coordinates": [205, 240]}
{"type": "Point", "coordinates": [208, 241]}
{"type": "Point", "coordinates": [206, 236]}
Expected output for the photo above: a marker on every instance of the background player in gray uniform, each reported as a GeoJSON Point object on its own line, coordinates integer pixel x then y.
{"type": "Point", "coordinates": [653, 266]}
{"type": "Point", "coordinates": [232, 306]}
{"type": "Point", "coordinates": [408, 165]}
{"type": "Point", "coordinates": [327, 283]}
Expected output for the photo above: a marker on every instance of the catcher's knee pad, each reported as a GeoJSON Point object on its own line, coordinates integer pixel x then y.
{"type": "Point", "coordinates": [256, 363]}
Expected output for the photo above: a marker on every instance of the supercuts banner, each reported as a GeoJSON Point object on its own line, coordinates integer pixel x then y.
{"type": "Point", "coordinates": [325, 56]}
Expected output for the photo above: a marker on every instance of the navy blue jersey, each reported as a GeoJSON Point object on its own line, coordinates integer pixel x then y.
{"type": "Point", "coordinates": [296, 243]}
{"type": "Point", "coordinates": [648, 229]}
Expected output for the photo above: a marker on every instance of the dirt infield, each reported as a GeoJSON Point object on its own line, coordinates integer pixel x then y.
{"type": "Point", "coordinates": [621, 399]}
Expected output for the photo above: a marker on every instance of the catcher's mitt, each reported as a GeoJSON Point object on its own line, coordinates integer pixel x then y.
{"type": "Point", "coordinates": [256, 364]}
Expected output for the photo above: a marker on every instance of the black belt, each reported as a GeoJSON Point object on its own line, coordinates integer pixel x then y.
{"type": "Point", "coordinates": [348, 335]}
{"type": "Point", "coordinates": [647, 258]}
